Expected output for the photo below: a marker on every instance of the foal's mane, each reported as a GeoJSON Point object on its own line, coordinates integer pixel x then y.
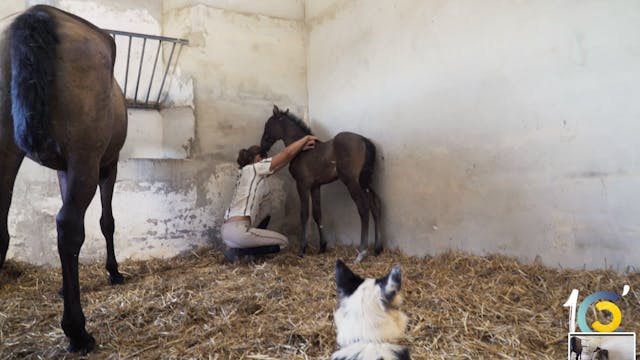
{"type": "Point", "coordinates": [297, 121]}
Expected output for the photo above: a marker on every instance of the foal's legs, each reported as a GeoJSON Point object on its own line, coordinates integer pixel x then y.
{"type": "Point", "coordinates": [362, 202]}
{"type": "Point", "coordinates": [374, 204]}
{"type": "Point", "coordinates": [264, 223]}
{"type": "Point", "coordinates": [107, 224]}
{"type": "Point", "coordinates": [9, 164]}
{"type": "Point", "coordinates": [303, 193]}
{"type": "Point", "coordinates": [80, 186]}
{"type": "Point", "coordinates": [317, 216]}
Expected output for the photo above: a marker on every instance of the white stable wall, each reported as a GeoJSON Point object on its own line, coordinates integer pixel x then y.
{"type": "Point", "coordinates": [242, 62]}
{"type": "Point", "coordinates": [501, 126]}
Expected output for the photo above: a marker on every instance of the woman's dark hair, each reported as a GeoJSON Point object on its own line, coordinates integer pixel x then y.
{"type": "Point", "coordinates": [246, 156]}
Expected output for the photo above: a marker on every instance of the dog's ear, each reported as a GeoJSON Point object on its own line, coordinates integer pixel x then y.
{"type": "Point", "coordinates": [390, 284]}
{"type": "Point", "coordinates": [346, 281]}
{"type": "Point", "coordinates": [276, 111]}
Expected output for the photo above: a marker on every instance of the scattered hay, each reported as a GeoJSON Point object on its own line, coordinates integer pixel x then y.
{"type": "Point", "coordinates": [460, 306]}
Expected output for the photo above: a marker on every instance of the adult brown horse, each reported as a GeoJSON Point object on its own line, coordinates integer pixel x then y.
{"type": "Point", "coordinates": [61, 107]}
{"type": "Point", "coordinates": [349, 157]}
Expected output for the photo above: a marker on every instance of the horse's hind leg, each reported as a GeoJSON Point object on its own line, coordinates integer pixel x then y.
{"type": "Point", "coordinates": [9, 164]}
{"type": "Point", "coordinates": [80, 186]}
{"type": "Point", "coordinates": [317, 216]}
{"type": "Point", "coordinates": [62, 183]}
{"type": "Point", "coordinates": [362, 202]}
{"type": "Point", "coordinates": [374, 204]}
{"type": "Point", "coordinates": [107, 224]}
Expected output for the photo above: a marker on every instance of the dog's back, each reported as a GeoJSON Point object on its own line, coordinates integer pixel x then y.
{"type": "Point", "coordinates": [372, 351]}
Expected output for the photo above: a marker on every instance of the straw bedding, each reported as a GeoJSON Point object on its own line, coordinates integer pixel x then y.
{"type": "Point", "coordinates": [194, 306]}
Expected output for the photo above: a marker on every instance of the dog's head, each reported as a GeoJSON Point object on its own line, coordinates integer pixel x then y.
{"type": "Point", "coordinates": [368, 309]}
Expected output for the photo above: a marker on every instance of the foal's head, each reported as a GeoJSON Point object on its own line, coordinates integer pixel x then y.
{"type": "Point", "coordinates": [368, 309]}
{"type": "Point", "coordinates": [282, 125]}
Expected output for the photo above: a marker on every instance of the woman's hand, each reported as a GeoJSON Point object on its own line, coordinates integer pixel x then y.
{"type": "Point", "coordinates": [283, 157]}
{"type": "Point", "coordinates": [310, 142]}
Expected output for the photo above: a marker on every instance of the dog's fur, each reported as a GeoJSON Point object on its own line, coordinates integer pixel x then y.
{"type": "Point", "coordinates": [368, 318]}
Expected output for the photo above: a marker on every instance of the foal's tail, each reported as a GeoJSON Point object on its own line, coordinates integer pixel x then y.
{"type": "Point", "coordinates": [366, 175]}
{"type": "Point", "coordinates": [33, 41]}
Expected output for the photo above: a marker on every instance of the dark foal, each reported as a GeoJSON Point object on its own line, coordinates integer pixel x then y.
{"type": "Point", "coordinates": [61, 107]}
{"type": "Point", "coordinates": [349, 157]}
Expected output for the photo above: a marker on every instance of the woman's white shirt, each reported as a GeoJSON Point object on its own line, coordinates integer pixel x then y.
{"type": "Point", "coordinates": [251, 188]}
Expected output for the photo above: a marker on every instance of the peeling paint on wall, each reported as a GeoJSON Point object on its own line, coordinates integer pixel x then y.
{"type": "Point", "coordinates": [177, 206]}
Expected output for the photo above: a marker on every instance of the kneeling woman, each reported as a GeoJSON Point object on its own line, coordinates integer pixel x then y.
{"type": "Point", "coordinates": [238, 232]}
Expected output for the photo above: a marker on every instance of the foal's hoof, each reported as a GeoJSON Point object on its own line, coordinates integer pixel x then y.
{"type": "Point", "coordinates": [116, 279]}
{"type": "Point", "coordinates": [85, 344]}
{"type": "Point", "coordinates": [323, 248]}
{"type": "Point", "coordinates": [377, 250]}
{"type": "Point", "coordinates": [360, 257]}
{"type": "Point", "coordinates": [301, 253]}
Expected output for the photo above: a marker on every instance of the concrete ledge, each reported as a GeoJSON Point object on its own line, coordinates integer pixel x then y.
{"type": "Point", "coordinates": [165, 134]}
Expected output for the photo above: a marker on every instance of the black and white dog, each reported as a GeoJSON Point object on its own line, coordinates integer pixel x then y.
{"type": "Point", "coordinates": [368, 317]}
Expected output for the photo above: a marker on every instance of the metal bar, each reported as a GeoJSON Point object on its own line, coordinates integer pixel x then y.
{"type": "Point", "coordinates": [126, 73]}
{"type": "Point", "coordinates": [140, 105]}
{"type": "Point", "coordinates": [152, 37]}
{"type": "Point", "coordinates": [153, 72]}
{"type": "Point", "coordinates": [165, 72]}
{"type": "Point", "coordinates": [144, 44]}
{"type": "Point", "coordinates": [135, 103]}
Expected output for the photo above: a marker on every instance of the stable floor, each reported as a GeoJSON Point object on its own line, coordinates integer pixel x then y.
{"type": "Point", "coordinates": [194, 306]}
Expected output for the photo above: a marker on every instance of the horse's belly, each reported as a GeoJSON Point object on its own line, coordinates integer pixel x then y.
{"type": "Point", "coordinates": [333, 173]}
{"type": "Point", "coordinates": [329, 175]}
{"type": "Point", "coordinates": [51, 159]}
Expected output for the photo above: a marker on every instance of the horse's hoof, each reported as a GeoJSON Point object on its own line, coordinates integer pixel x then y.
{"type": "Point", "coordinates": [361, 256]}
{"type": "Point", "coordinates": [323, 248]}
{"type": "Point", "coordinates": [84, 345]}
{"type": "Point", "coordinates": [378, 250]}
{"type": "Point", "coordinates": [116, 279]}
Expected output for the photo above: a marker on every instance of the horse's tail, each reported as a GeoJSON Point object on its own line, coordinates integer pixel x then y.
{"type": "Point", "coordinates": [366, 175]}
{"type": "Point", "coordinates": [33, 42]}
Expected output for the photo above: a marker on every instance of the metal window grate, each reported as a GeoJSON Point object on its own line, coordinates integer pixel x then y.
{"type": "Point", "coordinates": [147, 92]}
